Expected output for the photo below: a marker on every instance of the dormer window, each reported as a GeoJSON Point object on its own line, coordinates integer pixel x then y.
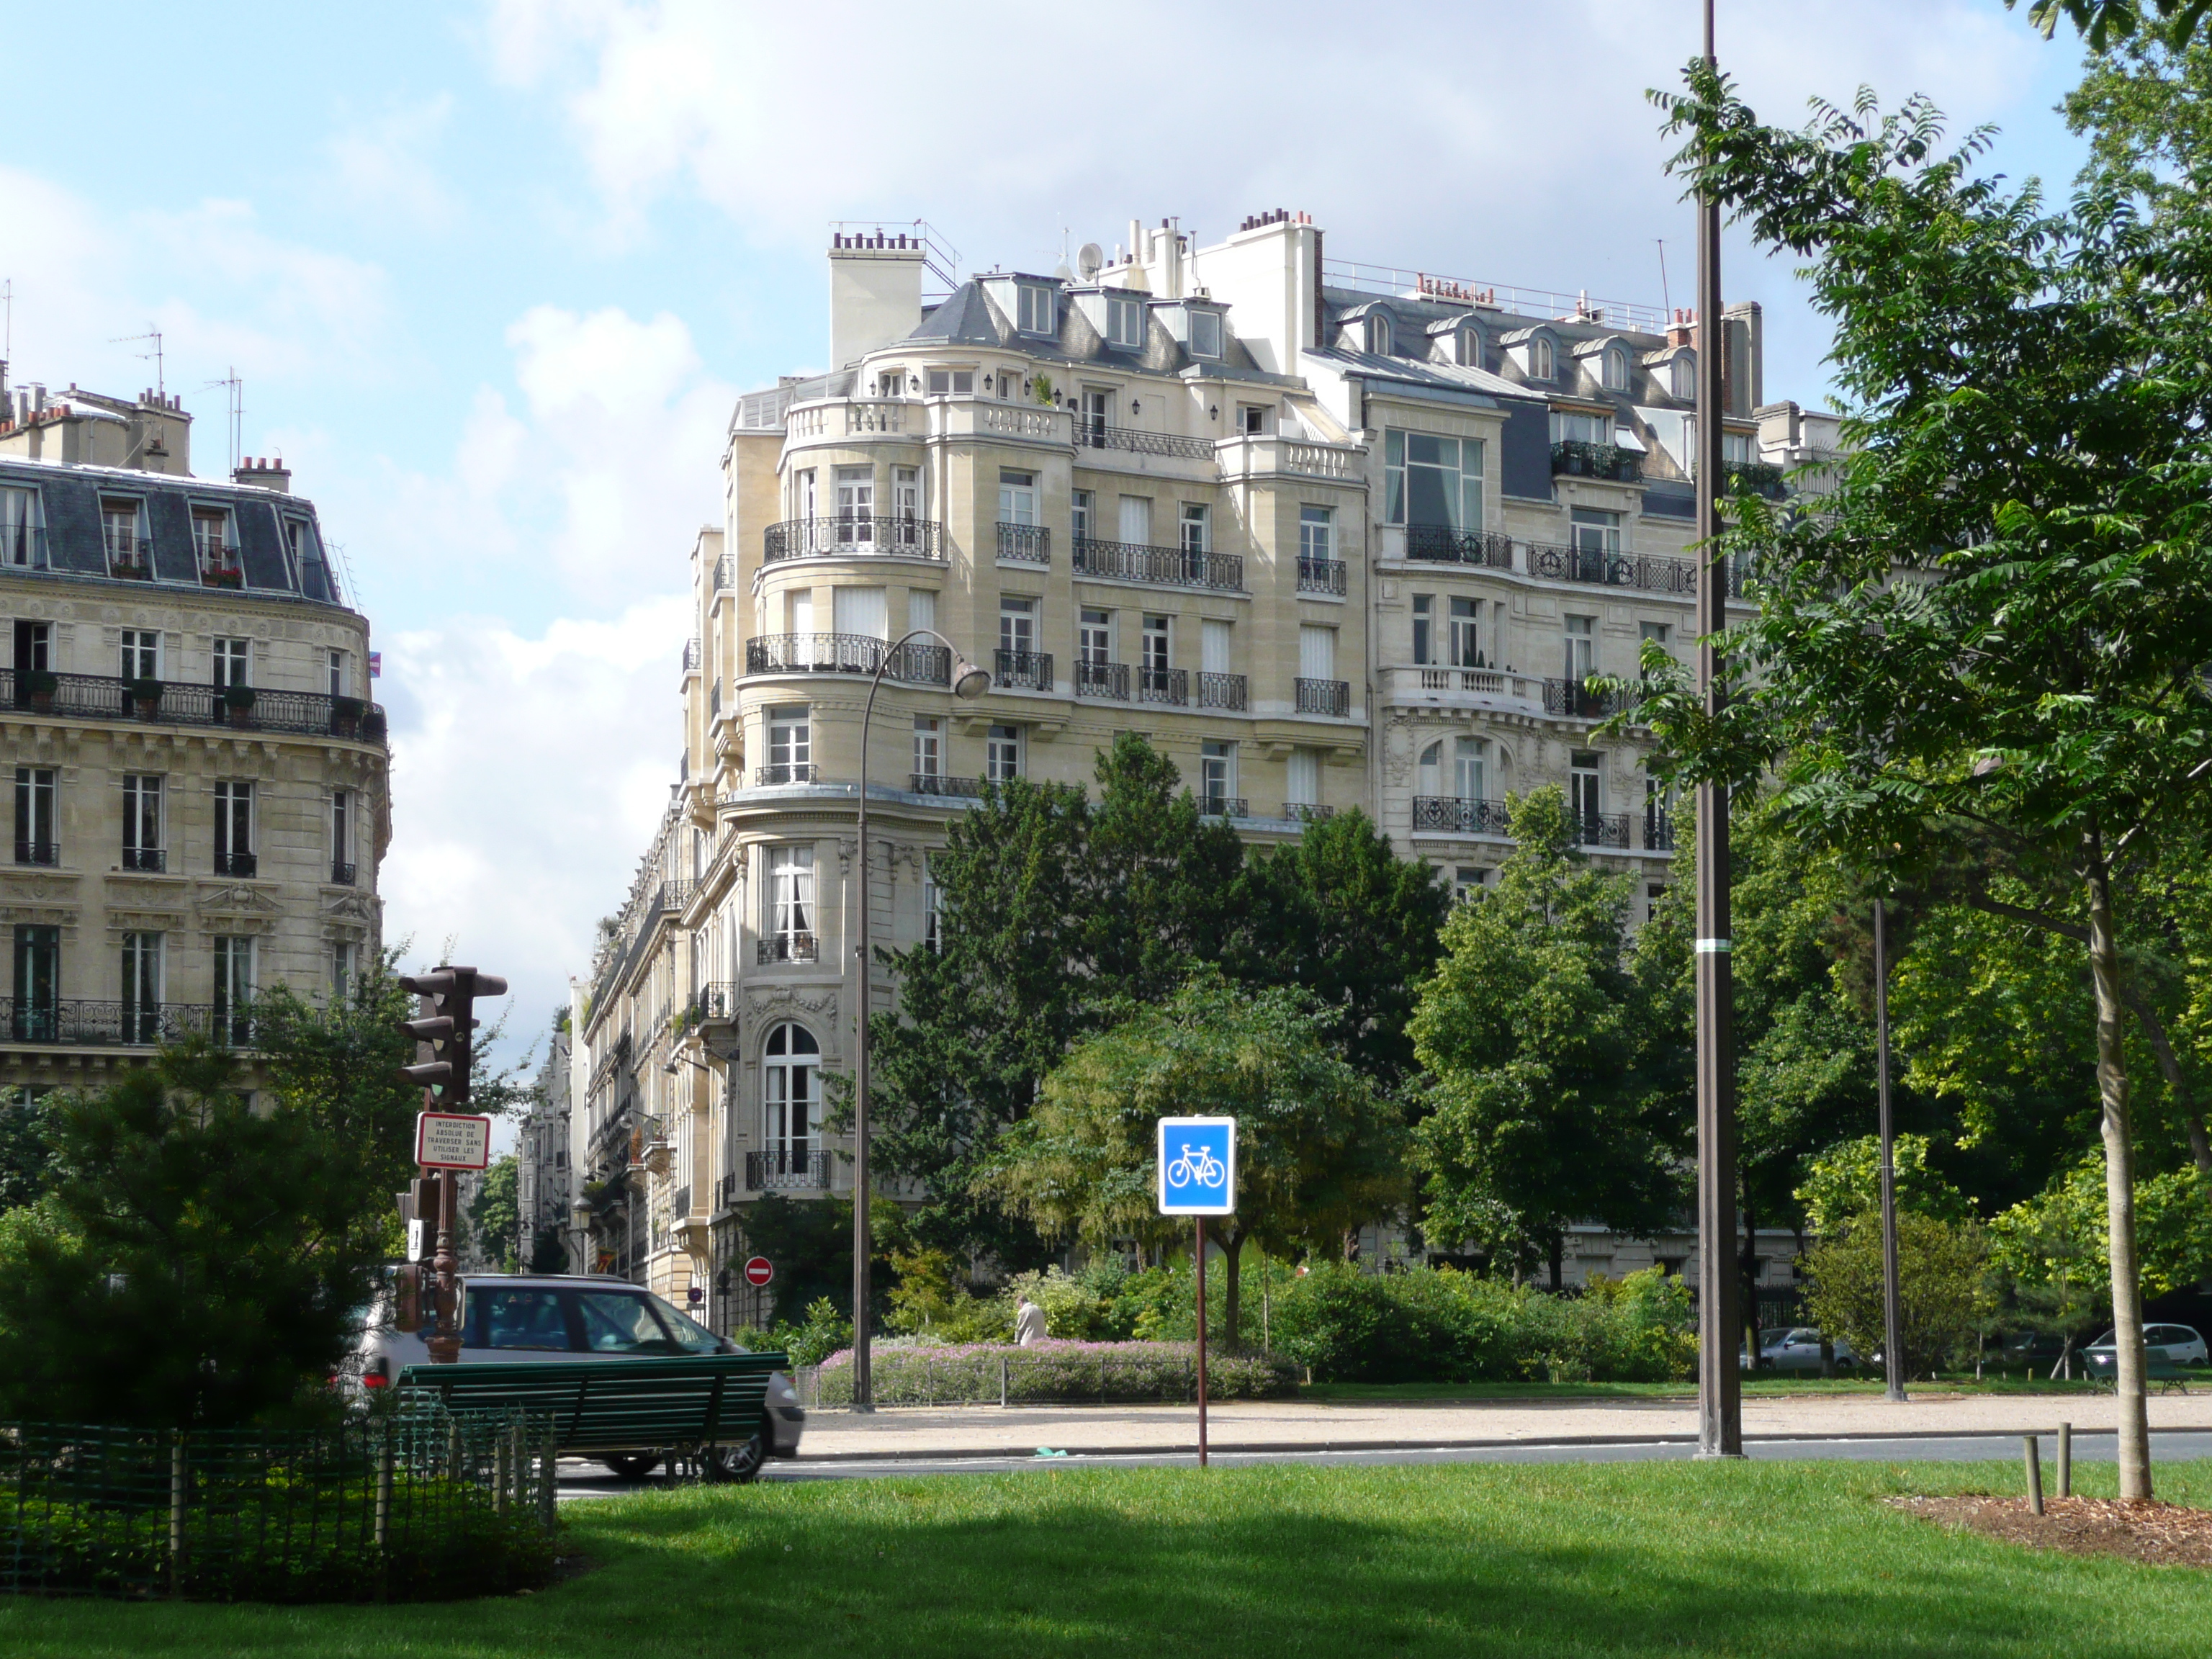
{"type": "Point", "coordinates": [1378, 333]}
{"type": "Point", "coordinates": [1616, 369]}
{"type": "Point", "coordinates": [1125, 322]}
{"type": "Point", "coordinates": [1467, 347]}
{"type": "Point", "coordinates": [1205, 334]}
{"type": "Point", "coordinates": [213, 547]}
{"type": "Point", "coordinates": [1541, 364]}
{"type": "Point", "coordinates": [121, 524]}
{"type": "Point", "coordinates": [1036, 309]}
{"type": "Point", "coordinates": [1685, 377]}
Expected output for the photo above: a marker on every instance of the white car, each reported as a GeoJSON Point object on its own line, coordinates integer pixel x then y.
{"type": "Point", "coordinates": [517, 1318]}
{"type": "Point", "coordinates": [2163, 1344]}
{"type": "Point", "coordinates": [1798, 1349]}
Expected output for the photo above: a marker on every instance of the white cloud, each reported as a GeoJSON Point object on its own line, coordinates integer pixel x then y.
{"type": "Point", "coordinates": [384, 166]}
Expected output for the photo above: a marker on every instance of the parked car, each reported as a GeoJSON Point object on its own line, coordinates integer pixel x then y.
{"type": "Point", "coordinates": [1797, 1348]}
{"type": "Point", "coordinates": [2163, 1344]}
{"type": "Point", "coordinates": [522, 1318]}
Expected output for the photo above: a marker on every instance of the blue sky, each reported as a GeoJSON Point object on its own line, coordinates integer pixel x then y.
{"type": "Point", "coordinates": [493, 273]}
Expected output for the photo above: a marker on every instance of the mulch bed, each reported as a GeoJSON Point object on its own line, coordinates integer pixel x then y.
{"type": "Point", "coordinates": [2160, 1535]}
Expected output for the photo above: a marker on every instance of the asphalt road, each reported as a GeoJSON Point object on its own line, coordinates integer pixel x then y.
{"type": "Point", "coordinates": [580, 1481]}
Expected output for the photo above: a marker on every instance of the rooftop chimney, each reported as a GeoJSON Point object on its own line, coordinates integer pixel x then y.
{"type": "Point", "coordinates": [262, 473]}
{"type": "Point", "coordinates": [875, 292]}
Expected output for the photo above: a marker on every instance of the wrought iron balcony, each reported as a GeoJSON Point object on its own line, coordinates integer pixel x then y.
{"type": "Point", "coordinates": [1755, 478]}
{"type": "Point", "coordinates": [118, 1024]}
{"type": "Point", "coordinates": [858, 536]}
{"type": "Point", "coordinates": [38, 852]}
{"type": "Point", "coordinates": [786, 1170]}
{"type": "Point", "coordinates": [1602, 828]}
{"type": "Point", "coordinates": [1323, 697]}
{"type": "Point", "coordinates": [1171, 686]}
{"type": "Point", "coordinates": [1458, 815]}
{"type": "Point", "coordinates": [151, 859]}
{"type": "Point", "coordinates": [937, 783]}
{"type": "Point", "coordinates": [1306, 812]}
{"type": "Point", "coordinates": [1440, 543]}
{"type": "Point", "coordinates": [787, 947]}
{"type": "Point", "coordinates": [1658, 830]}
{"type": "Point", "coordinates": [1220, 690]}
{"type": "Point", "coordinates": [1161, 566]}
{"type": "Point", "coordinates": [1586, 460]}
{"type": "Point", "coordinates": [1320, 576]}
{"type": "Point", "coordinates": [1032, 543]}
{"type": "Point", "coordinates": [1094, 434]}
{"type": "Point", "coordinates": [102, 697]}
{"type": "Point", "coordinates": [726, 572]}
{"type": "Point", "coordinates": [1027, 669]}
{"type": "Point", "coordinates": [1576, 700]}
{"type": "Point", "coordinates": [714, 1002]}
{"type": "Point", "coordinates": [782, 772]}
{"type": "Point", "coordinates": [916, 663]}
{"type": "Point", "coordinates": [691, 656]}
{"type": "Point", "coordinates": [342, 874]}
{"type": "Point", "coordinates": [1102, 679]}
{"type": "Point", "coordinates": [244, 864]}
{"type": "Point", "coordinates": [1601, 569]}
{"type": "Point", "coordinates": [1224, 806]}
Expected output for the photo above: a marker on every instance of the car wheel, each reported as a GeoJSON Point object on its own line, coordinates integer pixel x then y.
{"type": "Point", "coordinates": [632, 1465]}
{"type": "Point", "coordinates": [739, 1464]}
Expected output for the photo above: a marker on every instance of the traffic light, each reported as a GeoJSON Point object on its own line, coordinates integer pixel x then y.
{"type": "Point", "coordinates": [442, 1028]}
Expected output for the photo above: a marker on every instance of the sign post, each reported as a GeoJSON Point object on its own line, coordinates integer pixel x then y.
{"type": "Point", "coordinates": [447, 1136]}
{"type": "Point", "coordinates": [1198, 1178]}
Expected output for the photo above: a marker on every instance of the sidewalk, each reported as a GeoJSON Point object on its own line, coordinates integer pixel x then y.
{"type": "Point", "coordinates": [1294, 1426]}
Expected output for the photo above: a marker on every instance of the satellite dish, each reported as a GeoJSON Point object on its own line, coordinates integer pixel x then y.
{"type": "Point", "coordinates": [1091, 260]}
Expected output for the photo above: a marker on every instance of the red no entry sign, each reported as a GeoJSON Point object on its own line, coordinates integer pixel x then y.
{"type": "Point", "coordinates": [759, 1270]}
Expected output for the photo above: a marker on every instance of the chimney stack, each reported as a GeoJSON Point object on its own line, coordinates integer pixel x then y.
{"type": "Point", "coordinates": [270, 473]}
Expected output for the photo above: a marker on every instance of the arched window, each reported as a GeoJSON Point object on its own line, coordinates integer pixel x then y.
{"type": "Point", "coordinates": [1540, 359]}
{"type": "Point", "coordinates": [1685, 376]}
{"type": "Point", "coordinates": [1616, 369]}
{"type": "Point", "coordinates": [790, 1096]}
{"type": "Point", "coordinates": [1378, 333]}
{"type": "Point", "coordinates": [1433, 770]}
{"type": "Point", "coordinates": [1468, 347]}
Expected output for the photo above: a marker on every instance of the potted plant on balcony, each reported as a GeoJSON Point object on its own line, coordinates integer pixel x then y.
{"type": "Point", "coordinates": [238, 704]}
{"type": "Point", "coordinates": [345, 716]}
{"type": "Point", "coordinates": [372, 724]}
{"type": "Point", "coordinates": [146, 697]}
{"type": "Point", "coordinates": [38, 686]}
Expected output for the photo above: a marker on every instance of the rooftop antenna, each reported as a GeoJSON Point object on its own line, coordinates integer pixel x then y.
{"type": "Point", "coordinates": [155, 335]}
{"type": "Point", "coordinates": [8, 306]}
{"type": "Point", "coordinates": [237, 390]}
{"type": "Point", "coordinates": [1664, 299]}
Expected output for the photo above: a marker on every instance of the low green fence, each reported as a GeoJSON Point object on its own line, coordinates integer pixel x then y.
{"type": "Point", "coordinates": [1049, 1372]}
{"type": "Point", "coordinates": [427, 1506]}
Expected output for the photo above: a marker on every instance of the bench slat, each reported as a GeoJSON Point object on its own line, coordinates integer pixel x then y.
{"type": "Point", "coordinates": [613, 1404]}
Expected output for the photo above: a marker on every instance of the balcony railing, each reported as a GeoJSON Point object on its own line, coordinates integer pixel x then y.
{"type": "Point", "coordinates": [1167, 685]}
{"type": "Point", "coordinates": [847, 537]}
{"type": "Point", "coordinates": [1602, 828]}
{"type": "Point", "coordinates": [1458, 815]}
{"type": "Point", "coordinates": [1027, 669]}
{"type": "Point", "coordinates": [118, 1024]}
{"type": "Point", "coordinates": [691, 656]}
{"type": "Point", "coordinates": [1760, 477]}
{"type": "Point", "coordinates": [102, 697]}
{"type": "Point", "coordinates": [787, 1169]}
{"type": "Point", "coordinates": [342, 874]}
{"type": "Point", "coordinates": [151, 859]}
{"type": "Point", "coordinates": [1032, 543]}
{"type": "Point", "coordinates": [937, 783]}
{"type": "Point", "coordinates": [1658, 830]}
{"type": "Point", "coordinates": [1324, 697]}
{"type": "Point", "coordinates": [1162, 567]}
{"type": "Point", "coordinates": [715, 1002]}
{"type": "Point", "coordinates": [1093, 433]}
{"type": "Point", "coordinates": [242, 865]}
{"type": "Point", "coordinates": [1586, 460]}
{"type": "Point", "coordinates": [1306, 812]}
{"type": "Point", "coordinates": [1586, 564]}
{"type": "Point", "coordinates": [1220, 690]}
{"type": "Point", "coordinates": [782, 772]}
{"type": "Point", "coordinates": [1440, 543]}
{"type": "Point", "coordinates": [787, 947]}
{"type": "Point", "coordinates": [23, 545]}
{"type": "Point", "coordinates": [726, 572]}
{"type": "Point", "coordinates": [1320, 576]}
{"type": "Point", "coordinates": [38, 852]}
{"type": "Point", "coordinates": [1224, 806]}
{"type": "Point", "coordinates": [1576, 700]}
{"type": "Point", "coordinates": [1102, 679]}
{"type": "Point", "coordinates": [917, 662]}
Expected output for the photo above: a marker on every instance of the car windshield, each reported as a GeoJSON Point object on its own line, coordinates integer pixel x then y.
{"type": "Point", "coordinates": [690, 1336]}
{"type": "Point", "coordinates": [621, 1321]}
{"type": "Point", "coordinates": [2103, 1341]}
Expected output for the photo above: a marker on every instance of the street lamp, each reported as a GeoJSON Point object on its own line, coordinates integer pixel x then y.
{"type": "Point", "coordinates": [968, 683]}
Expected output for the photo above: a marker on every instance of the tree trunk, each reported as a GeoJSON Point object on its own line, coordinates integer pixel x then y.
{"type": "Point", "coordinates": [2119, 1181]}
{"type": "Point", "coordinates": [1232, 1337]}
{"type": "Point", "coordinates": [1750, 1274]}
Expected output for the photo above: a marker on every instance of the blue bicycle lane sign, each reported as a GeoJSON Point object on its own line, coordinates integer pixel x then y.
{"type": "Point", "coordinates": [1198, 1166]}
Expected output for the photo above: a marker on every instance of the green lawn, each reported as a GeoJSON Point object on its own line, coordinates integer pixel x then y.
{"type": "Point", "coordinates": [1760, 1388]}
{"type": "Point", "coordinates": [1742, 1559]}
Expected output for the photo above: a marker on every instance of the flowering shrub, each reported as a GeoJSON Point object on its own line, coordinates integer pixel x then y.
{"type": "Point", "coordinates": [969, 1373]}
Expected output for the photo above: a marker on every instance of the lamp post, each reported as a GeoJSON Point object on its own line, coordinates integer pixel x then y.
{"type": "Point", "coordinates": [1892, 1309]}
{"type": "Point", "coordinates": [968, 682]}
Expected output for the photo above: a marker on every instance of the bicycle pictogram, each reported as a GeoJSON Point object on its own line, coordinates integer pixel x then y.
{"type": "Point", "coordinates": [1196, 1164]}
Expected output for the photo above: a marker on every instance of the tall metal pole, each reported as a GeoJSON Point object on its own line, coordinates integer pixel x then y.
{"type": "Point", "coordinates": [1200, 1221]}
{"type": "Point", "coordinates": [1893, 1301]}
{"type": "Point", "coordinates": [1720, 1385]}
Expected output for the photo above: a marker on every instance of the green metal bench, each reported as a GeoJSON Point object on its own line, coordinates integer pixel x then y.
{"type": "Point", "coordinates": [707, 1414]}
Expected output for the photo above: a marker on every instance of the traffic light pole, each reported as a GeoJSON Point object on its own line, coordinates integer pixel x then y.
{"type": "Point", "coordinates": [445, 1343]}
{"type": "Point", "coordinates": [1720, 1385]}
{"type": "Point", "coordinates": [442, 1028]}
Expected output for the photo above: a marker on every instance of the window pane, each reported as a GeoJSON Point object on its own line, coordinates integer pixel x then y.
{"type": "Point", "coordinates": [615, 1323]}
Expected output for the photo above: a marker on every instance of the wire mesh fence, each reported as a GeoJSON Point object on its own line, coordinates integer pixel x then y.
{"type": "Point", "coordinates": [424, 1506]}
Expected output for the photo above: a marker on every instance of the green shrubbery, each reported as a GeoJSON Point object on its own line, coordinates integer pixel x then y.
{"type": "Point", "coordinates": [904, 1372]}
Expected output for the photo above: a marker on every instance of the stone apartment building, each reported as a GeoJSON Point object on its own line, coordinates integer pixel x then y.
{"type": "Point", "coordinates": [199, 780]}
{"type": "Point", "coordinates": [1330, 535]}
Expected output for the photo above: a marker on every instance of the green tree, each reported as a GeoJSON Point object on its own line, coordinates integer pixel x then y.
{"type": "Point", "coordinates": [1318, 1150]}
{"type": "Point", "coordinates": [1558, 1091]}
{"type": "Point", "coordinates": [1997, 623]}
{"type": "Point", "coordinates": [26, 1160]}
{"type": "Point", "coordinates": [1339, 916]}
{"type": "Point", "coordinates": [199, 1263]}
{"type": "Point", "coordinates": [810, 1243]}
{"type": "Point", "coordinates": [496, 1213]}
{"type": "Point", "coordinates": [2058, 1231]}
{"type": "Point", "coordinates": [2109, 23]}
{"type": "Point", "coordinates": [1941, 1271]}
{"type": "Point", "coordinates": [1844, 1183]}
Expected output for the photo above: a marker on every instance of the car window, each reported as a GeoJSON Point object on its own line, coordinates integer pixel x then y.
{"type": "Point", "coordinates": [1811, 1337]}
{"type": "Point", "coordinates": [2103, 1341]}
{"type": "Point", "coordinates": [690, 1336]}
{"type": "Point", "coordinates": [619, 1323]}
{"type": "Point", "coordinates": [519, 1319]}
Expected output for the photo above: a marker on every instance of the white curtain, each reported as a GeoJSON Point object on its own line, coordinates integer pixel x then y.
{"type": "Point", "coordinates": [859, 610]}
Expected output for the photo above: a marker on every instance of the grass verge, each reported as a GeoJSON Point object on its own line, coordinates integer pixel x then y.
{"type": "Point", "coordinates": [1748, 1558]}
{"type": "Point", "coordinates": [1760, 1388]}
